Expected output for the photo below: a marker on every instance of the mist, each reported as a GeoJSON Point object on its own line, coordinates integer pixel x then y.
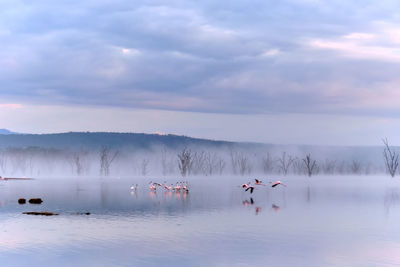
{"type": "Point", "coordinates": [195, 160]}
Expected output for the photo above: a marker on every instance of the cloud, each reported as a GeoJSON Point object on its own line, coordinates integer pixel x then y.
{"type": "Point", "coordinates": [380, 45]}
{"type": "Point", "coordinates": [202, 56]}
{"type": "Point", "coordinates": [10, 106]}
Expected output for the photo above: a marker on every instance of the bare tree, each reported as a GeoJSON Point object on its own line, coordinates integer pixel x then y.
{"type": "Point", "coordinates": [355, 166]}
{"type": "Point", "coordinates": [341, 167]}
{"type": "Point", "coordinates": [310, 164]}
{"type": "Point", "coordinates": [328, 167]}
{"type": "Point", "coordinates": [106, 158]}
{"type": "Point", "coordinates": [198, 163]}
{"type": "Point", "coordinates": [391, 158]}
{"type": "Point", "coordinates": [210, 163]}
{"type": "Point", "coordinates": [267, 163]}
{"type": "Point", "coordinates": [3, 162]}
{"type": "Point", "coordinates": [240, 163]}
{"type": "Point", "coordinates": [164, 161]}
{"type": "Point", "coordinates": [18, 160]}
{"type": "Point", "coordinates": [244, 164]}
{"type": "Point", "coordinates": [185, 161]}
{"type": "Point", "coordinates": [368, 168]}
{"type": "Point", "coordinates": [234, 161]}
{"type": "Point", "coordinates": [145, 163]}
{"type": "Point", "coordinates": [284, 162]}
{"type": "Point", "coordinates": [220, 166]}
{"type": "Point", "coordinates": [298, 167]}
{"type": "Point", "coordinates": [76, 162]}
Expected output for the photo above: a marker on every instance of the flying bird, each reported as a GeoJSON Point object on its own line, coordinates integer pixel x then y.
{"type": "Point", "coordinates": [258, 182]}
{"type": "Point", "coordinates": [277, 183]}
{"type": "Point", "coordinates": [248, 187]}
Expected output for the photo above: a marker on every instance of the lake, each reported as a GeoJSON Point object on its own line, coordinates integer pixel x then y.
{"type": "Point", "coordinates": [317, 221]}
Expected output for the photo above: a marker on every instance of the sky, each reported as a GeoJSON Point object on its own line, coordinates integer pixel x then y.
{"type": "Point", "coordinates": [288, 71]}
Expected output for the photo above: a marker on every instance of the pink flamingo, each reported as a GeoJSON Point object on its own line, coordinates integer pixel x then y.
{"type": "Point", "coordinates": [248, 187]}
{"type": "Point", "coordinates": [177, 187]}
{"type": "Point", "coordinates": [277, 183]}
{"type": "Point", "coordinates": [152, 186]}
{"type": "Point", "coordinates": [185, 187]}
{"type": "Point", "coordinates": [259, 182]}
{"type": "Point", "coordinates": [166, 187]}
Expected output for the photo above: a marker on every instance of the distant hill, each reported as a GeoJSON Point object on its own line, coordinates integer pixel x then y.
{"type": "Point", "coordinates": [141, 141]}
{"type": "Point", "coordinates": [99, 139]}
{"type": "Point", "coordinates": [6, 132]}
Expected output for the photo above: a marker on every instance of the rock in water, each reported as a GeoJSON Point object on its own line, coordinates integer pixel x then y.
{"type": "Point", "coordinates": [21, 201]}
{"type": "Point", "coordinates": [35, 201]}
{"type": "Point", "coordinates": [43, 213]}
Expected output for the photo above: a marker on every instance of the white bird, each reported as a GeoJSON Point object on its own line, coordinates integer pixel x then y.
{"type": "Point", "coordinates": [134, 187]}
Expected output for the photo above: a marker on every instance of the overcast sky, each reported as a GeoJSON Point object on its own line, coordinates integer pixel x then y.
{"type": "Point", "coordinates": [287, 71]}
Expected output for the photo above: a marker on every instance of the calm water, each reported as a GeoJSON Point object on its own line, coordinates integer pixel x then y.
{"type": "Point", "coordinates": [322, 221]}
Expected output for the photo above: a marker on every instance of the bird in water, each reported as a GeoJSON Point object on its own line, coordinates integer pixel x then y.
{"type": "Point", "coordinates": [167, 187]}
{"type": "Point", "coordinates": [277, 183]}
{"type": "Point", "coordinates": [152, 186]}
{"type": "Point", "coordinates": [177, 187]}
{"type": "Point", "coordinates": [185, 187]}
{"type": "Point", "coordinates": [134, 187]}
{"type": "Point", "coordinates": [248, 187]}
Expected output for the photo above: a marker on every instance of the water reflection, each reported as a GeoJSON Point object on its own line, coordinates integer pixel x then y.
{"type": "Point", "coordinates": [275, 207]}
{"type": "Point", "coordinates": [317, 223]}
{"type": "Point", "coordinates": [250, 202]}
{"type": "Point", "coordinates": [392, 198]}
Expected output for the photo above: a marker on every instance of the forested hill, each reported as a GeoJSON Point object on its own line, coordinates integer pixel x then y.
{"type": "Point", "coordinates": [99, 139]}
{"type": "Point", "coordinates": [140, 141]}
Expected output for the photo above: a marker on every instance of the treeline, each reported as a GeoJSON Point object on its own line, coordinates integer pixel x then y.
{"type": "Point", "coordinates": [188, 161]}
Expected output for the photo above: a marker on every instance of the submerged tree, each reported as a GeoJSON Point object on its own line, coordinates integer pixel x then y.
{"type": "Point", "coordinates": [106, 158]}
{"type": "Point", "coordinates": [144, 166]}
{"type": "Point", "coordinates": [355, 167]}
{"type": "Point", "coordinates": [78, 161]}
{"type": "Point", "coordinates": [284, 163]}
{"type": "Point", "coordinates": [328, 167]}
{"type": "Point", "coordinates": [310, 164]}
{"type": "Point", "coordinates": [391, 158]}
{"type": "Point", "coordinates": [267, 163]}
{"type": "Point", "coordinates": [185, 161]}
{"type": "Point", "coordinates": [240, 163]}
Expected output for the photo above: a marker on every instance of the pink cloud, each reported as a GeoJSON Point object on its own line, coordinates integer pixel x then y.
{"type": "Point", "coordinates": [11, 105]}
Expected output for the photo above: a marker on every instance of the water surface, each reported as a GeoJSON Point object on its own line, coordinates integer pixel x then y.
{"type": "Point", "coordinates": [322, 221]}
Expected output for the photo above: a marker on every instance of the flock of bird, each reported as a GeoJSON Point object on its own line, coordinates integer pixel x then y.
{"type": "Point", "coordinates": [250, 187]}
{"type": "Point", "coordinates": [178, 187]}
{"type": "Point", "coordinates": [183, 186]}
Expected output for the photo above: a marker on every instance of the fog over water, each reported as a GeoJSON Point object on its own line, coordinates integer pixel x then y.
{"type": "Point", "coordinates": [158, 161]}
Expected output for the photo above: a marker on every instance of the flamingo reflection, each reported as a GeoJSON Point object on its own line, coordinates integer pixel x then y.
{"type": "Point", "coordinates": [276, 208]}
{"type": "Point", "coordinates": [258, 210]}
